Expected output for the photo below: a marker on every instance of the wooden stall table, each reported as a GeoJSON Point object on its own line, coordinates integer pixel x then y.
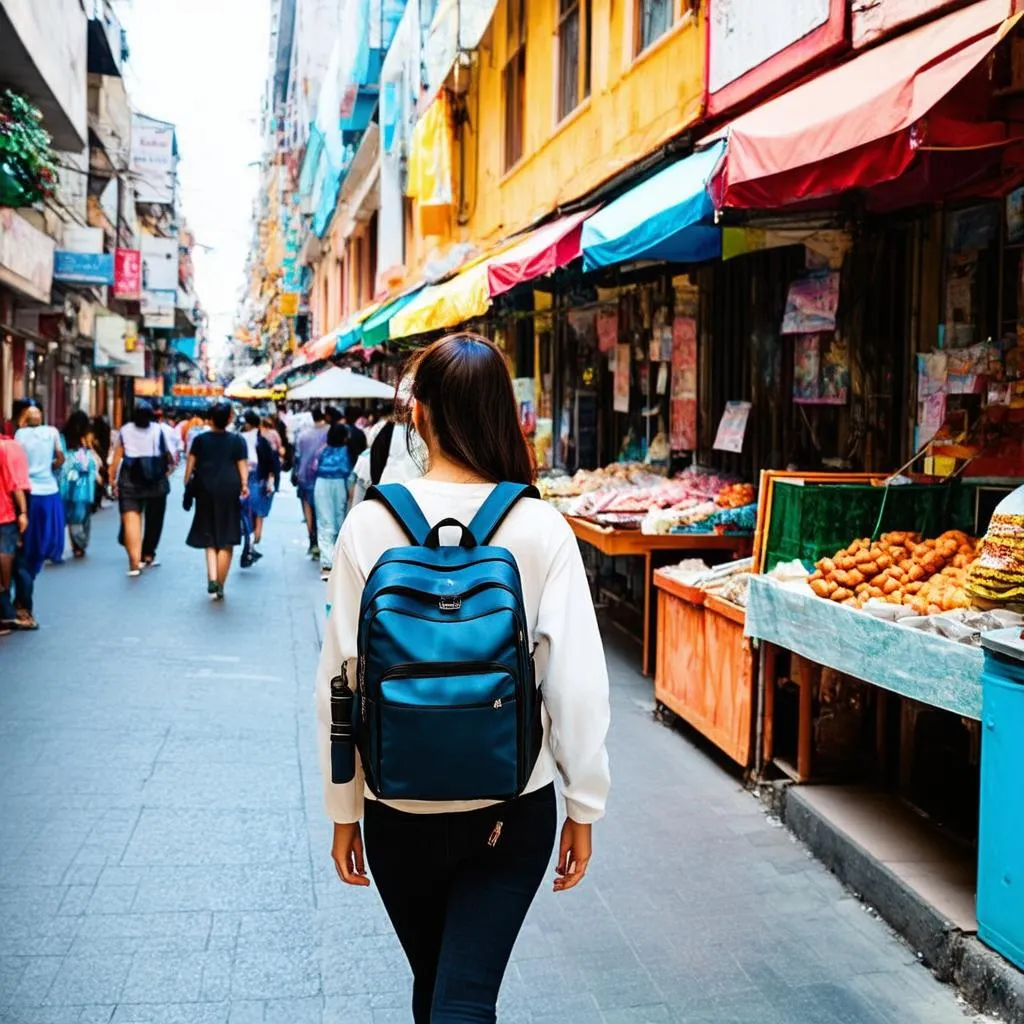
{"type": "Point", "coordinates": [615, 543]}
{"type": "Point", "coordinates": [705, 667]}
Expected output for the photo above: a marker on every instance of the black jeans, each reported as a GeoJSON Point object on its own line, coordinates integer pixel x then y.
{"type": "Point", "coordinates": [457, 888]}
{"type": "Point", "coordinates": [153, 526]}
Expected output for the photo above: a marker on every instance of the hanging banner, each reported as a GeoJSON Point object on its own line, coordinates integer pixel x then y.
{"type": "Point", "coordinates": [127, 274]}
{"type": "Point", "coordinates": [733, 427]}
{"type": "Point", "coordinates": [621, 386]}
{"type": "Point", "coordinates": [152, 160]}
{"type": "Point", "coordinates": [683, 409]}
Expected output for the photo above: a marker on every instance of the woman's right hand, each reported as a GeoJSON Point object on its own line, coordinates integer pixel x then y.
{"type": "Point", "coordinates": [245, 492]}
{"type": "Point", "coordinates": [574, 852]}
{"type": "Point", "coordinates": [347, 853]}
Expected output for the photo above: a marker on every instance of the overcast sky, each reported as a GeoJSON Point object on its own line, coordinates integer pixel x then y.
{"type": "Point", "coordinates": [202, 64]}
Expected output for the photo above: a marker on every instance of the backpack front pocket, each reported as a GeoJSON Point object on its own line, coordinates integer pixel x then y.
{"type": "Point", "coordinates": [445, 732]}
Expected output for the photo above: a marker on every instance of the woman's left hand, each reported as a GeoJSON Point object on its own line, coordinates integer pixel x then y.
{"type": "Point", "coordinates": [574, 852]}
{"type": "Point", "coordinates": [347, 853]}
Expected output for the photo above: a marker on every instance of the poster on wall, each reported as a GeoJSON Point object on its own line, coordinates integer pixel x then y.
{"type": "Point", "coordinates": [621, 387]}
{"type": "Point", "coordinates": [607, 329]}
{"type": "Point", "coordinates": [812, 304]}
{"type": "Point", "coordinates": [683, 424]}
{"type": "Point", "coordinates": [684, 357]}
{"type": "Point", "coordinates": [733, 427]}
{"type": "Point", "coordinates": [821, 372]}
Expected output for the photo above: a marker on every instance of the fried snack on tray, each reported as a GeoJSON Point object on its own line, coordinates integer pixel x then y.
{"type": "Point", "coordinates": [928, 576]}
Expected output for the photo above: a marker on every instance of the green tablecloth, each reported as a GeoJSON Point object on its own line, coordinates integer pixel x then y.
{"type": "Point", "coordinates": [923, 666]}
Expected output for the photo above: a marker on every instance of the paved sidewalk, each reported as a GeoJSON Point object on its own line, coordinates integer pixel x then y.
{"type": "Point", "coordinates": [164, 858]}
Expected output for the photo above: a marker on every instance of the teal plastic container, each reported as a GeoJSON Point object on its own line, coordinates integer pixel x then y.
{"type": "Point", "coordinates": [1001, 824]}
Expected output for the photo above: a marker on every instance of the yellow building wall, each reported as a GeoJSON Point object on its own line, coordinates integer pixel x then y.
{"type": "Point", "coordinates": [636, 104]}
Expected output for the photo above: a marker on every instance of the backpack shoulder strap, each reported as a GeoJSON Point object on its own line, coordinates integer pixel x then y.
{"type": "Point", "coordinates": [402, 505]}
{"type": "Point", "coordinates": [496, 507]}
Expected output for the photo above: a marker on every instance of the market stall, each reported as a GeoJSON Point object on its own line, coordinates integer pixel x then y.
{"type": "Point", "coordinates": [705, 669]}
{"type": "Point", "coordinates": [627, 511]}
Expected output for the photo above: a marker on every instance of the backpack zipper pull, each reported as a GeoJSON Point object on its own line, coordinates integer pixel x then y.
{"type": "Point", "coordinates": [495, 835]}
{"type": "Point", "coordinates": [497, 703]}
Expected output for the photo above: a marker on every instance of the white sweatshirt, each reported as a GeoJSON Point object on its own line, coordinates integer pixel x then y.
{"type": "Point", "coordinates": [571, 667]}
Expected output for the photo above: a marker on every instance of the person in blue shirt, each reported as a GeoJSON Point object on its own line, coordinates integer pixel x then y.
{"type": "Point", "coordinates": [330, 493]}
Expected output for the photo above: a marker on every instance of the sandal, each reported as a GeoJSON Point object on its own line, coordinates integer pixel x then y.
{"type": "Point", "coordinates": [25, 622]}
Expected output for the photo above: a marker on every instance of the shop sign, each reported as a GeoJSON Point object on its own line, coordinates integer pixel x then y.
{"type": "Point", "coordinates": [148, 387]}
{"type": "Point", "coordinates": [127, 274]}
{"type": "Point", "coordinates": [78, 239]}
{"type": "Point", "coordinates": [87, 268]}
{"type": "Point", "coordinates": [158, 308]}
{"type": "Point", "coordinates": [159, 264]}
{"type": "Point", "coordinates": [152, 160]}
{"type": "Point", "coordinates": [109, 335]}
{"type": "Point", "coordinates": [874, 20]}
{"type": "Point", "coordinates": [753, 44]}
{"type": "Point", "coordinates": [26, 257]}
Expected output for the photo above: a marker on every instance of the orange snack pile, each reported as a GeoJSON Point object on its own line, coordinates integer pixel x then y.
{"type": "Point", "coordinates": [899, 568]}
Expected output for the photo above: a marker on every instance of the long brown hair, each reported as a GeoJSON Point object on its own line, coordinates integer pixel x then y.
{"type": "Point", "coordinates": [463, 381]}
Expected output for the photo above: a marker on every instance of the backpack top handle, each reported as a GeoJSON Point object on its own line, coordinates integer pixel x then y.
{"type": "Point", "coordinates": [496, 507]}
{"type": "Point", "coordinates": [434, 537]}
{"type": "Point", "coordinates": [402, 505]}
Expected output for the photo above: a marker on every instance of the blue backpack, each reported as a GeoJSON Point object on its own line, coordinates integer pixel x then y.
{"type": "Point", "coordinates": [448, 705]}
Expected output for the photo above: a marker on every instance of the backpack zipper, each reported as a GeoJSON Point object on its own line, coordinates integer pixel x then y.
{"type": "Point", "coordinates": [439, 669]}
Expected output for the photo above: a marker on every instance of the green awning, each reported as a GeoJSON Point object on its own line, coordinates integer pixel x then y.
{"type": "Point", "coordinates": [374, 329]}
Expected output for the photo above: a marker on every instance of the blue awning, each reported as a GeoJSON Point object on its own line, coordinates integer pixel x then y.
{"type": "Point", "coordinates": [670, 216]}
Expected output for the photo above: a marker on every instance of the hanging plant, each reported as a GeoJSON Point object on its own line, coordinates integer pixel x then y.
{"type": "Point", "coordinates": [28, 165]}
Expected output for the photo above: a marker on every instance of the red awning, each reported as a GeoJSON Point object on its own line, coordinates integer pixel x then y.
{"type": "Point", "coordinates": [860, 124]}
{"type": "Point", "coordinates": [541, 252]}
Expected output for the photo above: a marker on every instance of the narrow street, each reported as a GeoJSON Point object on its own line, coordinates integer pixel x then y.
{"type": "Point", "coordinates": [164, 857]}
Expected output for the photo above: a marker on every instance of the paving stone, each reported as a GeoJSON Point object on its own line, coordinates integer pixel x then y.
{"type": "Point", "coordinates": [166, 860]}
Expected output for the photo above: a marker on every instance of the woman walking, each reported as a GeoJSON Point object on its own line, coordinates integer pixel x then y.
{"type": "Point", "coordinates": [139, 469]}
{"type": "Point", "coordinates": [44, 538]}
{"type": "Point", "coordinates": [216, 475]}
{"type": "Point", "coordinates": [264, 470]}
{"type": "Point", "coordinates": [80, 476]}
{"type": "Point", "coordinates": [330, 494]}
{"type": "Point", "coordinates": [457, 878]}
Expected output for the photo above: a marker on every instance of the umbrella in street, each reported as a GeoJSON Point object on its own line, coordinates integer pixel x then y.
{"type": "Point", "coordinates": [337, 383]}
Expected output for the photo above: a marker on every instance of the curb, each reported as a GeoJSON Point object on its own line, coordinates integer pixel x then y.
{"type": "Point", "coordinates": [987, 981]}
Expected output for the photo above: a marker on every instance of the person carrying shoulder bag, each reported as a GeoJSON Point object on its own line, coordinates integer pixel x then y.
{"type": "Point", "coordinates": [462, 670]}
{"type": "Point", "coordinates": [139, 469]}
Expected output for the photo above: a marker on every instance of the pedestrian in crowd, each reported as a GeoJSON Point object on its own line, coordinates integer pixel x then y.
{"type": "Point", "coordinates": [80, 476]}
{"type": "Point", "coordinates": [308, 446]}
{"type": "Point", "coordinates": [170, 435]}
{"type": "Point", "coordinates": [101, 435]}
{"type": "Point", "coordinates": [14, 489]}
{"type": "Point", "coordinates": [44, 539]}
{"type": "Point", "coordinates": [268, 428]}
{"type": "Point", "coordinates": [395, 455]}
{"type": "Point", "coordinates": [216, 475]}
{"type": "Point", "coordinates": [457, 879]}
{"type": "Point", "coordinates": [279, 420]}
{"type": "Point", "coordinates": [199, 424]}
{"type": "Point", "coordinates": [264, 468]}
{"type": "Point", "coordinates": [139, 469]}
{"type": "Point", "coordinates": [330, 493]}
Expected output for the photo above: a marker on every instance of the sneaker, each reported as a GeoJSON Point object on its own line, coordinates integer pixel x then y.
{"type": "Point", "coordinates": [152, 563]}
{"type": "Point", "coordinates": [256, 555]}
{"type": "Point", "coordinates": [134, 572]}
{"type": "Point", "coordinates": [220, 592]}
{"type": "Point", "coordinates": [314, 553]}
{"type": "Point", "coordinates": [211, 587]}
{"type": "Point", "coordinates": [325, 575]}
{"type": "Point", "coordinates": [246, 560]}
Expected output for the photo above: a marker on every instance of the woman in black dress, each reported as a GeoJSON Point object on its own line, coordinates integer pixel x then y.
{"type": "Point", "coordinates": [215, 477]}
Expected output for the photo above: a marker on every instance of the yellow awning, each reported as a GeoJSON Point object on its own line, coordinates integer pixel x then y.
{"type": "Point", "coordinates": [448, 304]}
